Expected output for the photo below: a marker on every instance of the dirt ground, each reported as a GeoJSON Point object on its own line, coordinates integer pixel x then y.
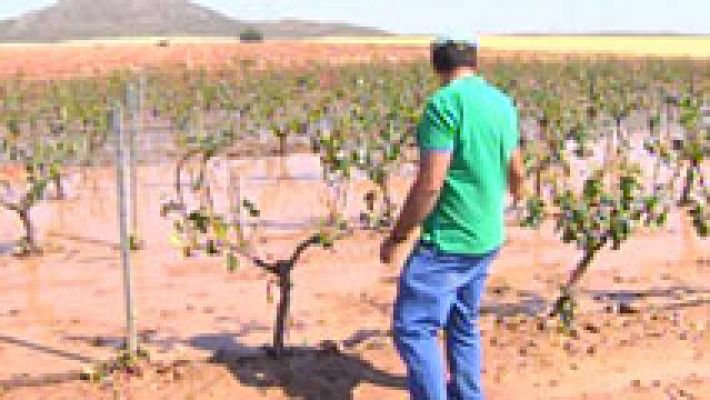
{"type": "Point", "coordinates": [86, 58]}
{"type": "Point", "coordinates": [643, 329]}
{"type": "Point", "coordinates": [67, 60]}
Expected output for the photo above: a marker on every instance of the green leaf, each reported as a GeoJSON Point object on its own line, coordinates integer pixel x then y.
{"type": "Point", "coordinates": [211, 247]}
{"type": "Point", "coordinates": [232, 262]}
{"type": "Point", "coordinates": [175, 239]}
{"type": "Point", "coordinates": [220, 229]}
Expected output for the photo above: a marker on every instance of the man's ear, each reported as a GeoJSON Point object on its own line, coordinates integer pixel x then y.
{"type": "Point", "coordinates": [444, 77]}
{"type": "Point", "coordinates": [433, 168]}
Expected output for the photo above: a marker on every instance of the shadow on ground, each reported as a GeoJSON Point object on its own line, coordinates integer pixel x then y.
{"type": "Point", "coordinates": [658, 299]}
{"type": "Point", "coordinates": [670, 293]}
{"type": "Point", "coordinates": [42, 380]}
{"type": "Point", "coordinates": [304, 373]}
{"type": "Point", "coordinates": [168, 343]}
{"type": "Point", "coordinates": [44, 349]}
{"type": "Point", "coordinates": [90, 241]}
{"type": "Point", "coordinates": [533, 304]}
{"type": "Point", "coordinates": [529, 303]}
{"type": "Point", "coordinates": [7, 248]}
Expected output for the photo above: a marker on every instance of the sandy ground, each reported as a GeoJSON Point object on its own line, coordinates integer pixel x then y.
{"type": "Point", "coordinates": [204, 326]}
{"type": "Point", "coordinates": [64, 60]}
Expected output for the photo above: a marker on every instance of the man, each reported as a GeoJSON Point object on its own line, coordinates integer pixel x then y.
{"type": "Point", "coordinates": [468, 138]}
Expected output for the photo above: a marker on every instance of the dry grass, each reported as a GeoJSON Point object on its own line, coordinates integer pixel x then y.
{"type": "Point", "coordinates": [661, 46]}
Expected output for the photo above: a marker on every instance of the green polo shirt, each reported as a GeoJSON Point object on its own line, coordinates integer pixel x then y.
{"type": "Point", "coordinates": [478, 124]}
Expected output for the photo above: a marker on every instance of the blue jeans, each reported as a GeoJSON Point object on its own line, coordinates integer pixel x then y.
{"type": "Point", "coordinates": [438, 291]}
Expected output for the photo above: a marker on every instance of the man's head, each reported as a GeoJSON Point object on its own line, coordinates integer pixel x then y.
{"type": "Point", "coordinates": [451, 56]}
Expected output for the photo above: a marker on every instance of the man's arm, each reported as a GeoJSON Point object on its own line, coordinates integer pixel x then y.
{"type": "Point", "coordinates": [516, 176]}
{"type": "Point", "coordinates": [421, 200]}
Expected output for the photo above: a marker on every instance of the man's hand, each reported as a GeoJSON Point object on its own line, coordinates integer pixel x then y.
{"type": "Point", "coordinates": [516, 177]}
{"type": "Point", "coordinates": [388, 249]}
{"type": "Point", "coordinates": [421, 200]}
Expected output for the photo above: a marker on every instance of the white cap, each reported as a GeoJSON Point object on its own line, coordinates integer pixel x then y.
{"type": "Point", "coordinates": [458, 37]}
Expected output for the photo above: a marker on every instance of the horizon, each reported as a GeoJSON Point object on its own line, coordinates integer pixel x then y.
{"type": "Point", "coordinates": [506, 17]}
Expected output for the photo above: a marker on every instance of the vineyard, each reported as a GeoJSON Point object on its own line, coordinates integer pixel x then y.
{"type": "Point", "coordinates": [243, 187]}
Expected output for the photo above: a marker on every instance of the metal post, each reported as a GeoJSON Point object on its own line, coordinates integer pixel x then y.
{"type": "Point", "coordinates": [143, 138]}
{"type": "Point", "coordinates": [122, 188]}
{"type": "Point", "coordinates": [133, 103]}
{"type": "Point", "coordinates": [236, 209]}
{"type": "Point", "coordinates": [240, 197]}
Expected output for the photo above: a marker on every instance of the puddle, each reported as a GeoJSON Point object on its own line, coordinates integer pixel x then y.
{"type": "Point", "coordinates": [529, 304]}
{"type": "Point", "coordinates": [7, 248]}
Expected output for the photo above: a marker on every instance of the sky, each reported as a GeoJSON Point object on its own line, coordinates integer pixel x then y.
{"type": "Point", "coordinates": [465, 16]}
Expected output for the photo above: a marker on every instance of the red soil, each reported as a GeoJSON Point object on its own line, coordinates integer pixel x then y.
{"type": "Point", "coordinates": [58, 61]}
{"type": "Point", "coordinates": [63, 311]}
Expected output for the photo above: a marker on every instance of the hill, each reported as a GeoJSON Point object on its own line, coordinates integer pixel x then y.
{"type": "Point", "coordinates": [92, 19]}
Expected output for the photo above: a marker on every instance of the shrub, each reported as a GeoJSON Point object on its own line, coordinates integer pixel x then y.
{"type": "Point", "coordinates": [251, 35]}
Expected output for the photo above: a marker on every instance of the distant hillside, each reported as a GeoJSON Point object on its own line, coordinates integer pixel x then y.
{"type": "Point", "coordinates": [92, 19]}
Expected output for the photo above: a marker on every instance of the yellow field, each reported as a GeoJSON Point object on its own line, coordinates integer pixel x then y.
{"type": "Point", "coordinates": [662, 46]}
{"type": "Point", "coordinates": [668, 46]}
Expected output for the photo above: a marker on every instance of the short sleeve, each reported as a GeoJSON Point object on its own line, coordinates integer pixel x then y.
{"type": "Point", "coordinates": [439, 124]}
{"type": "Point", "coordinates": [511, 136]}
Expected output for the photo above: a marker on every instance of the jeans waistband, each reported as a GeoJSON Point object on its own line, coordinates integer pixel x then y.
{"type": "Point", "coordinates": [433, 247]}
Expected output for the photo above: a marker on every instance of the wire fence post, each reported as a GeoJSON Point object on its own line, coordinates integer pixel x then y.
{"type": "Point", "coordinates": [235, 202]}
{"type": "Point", "coordinates": [122, 166]}
{"type": "Point", "coordinates": [133, 103]}
{"type": "Point", "coordinates": [140, 134]}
